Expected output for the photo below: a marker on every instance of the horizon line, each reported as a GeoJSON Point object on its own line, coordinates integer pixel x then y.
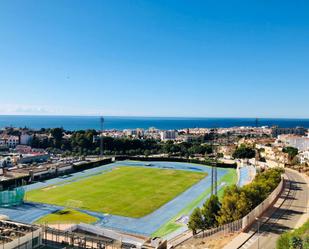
{"type": "Point", "coordinates": [155, 116]}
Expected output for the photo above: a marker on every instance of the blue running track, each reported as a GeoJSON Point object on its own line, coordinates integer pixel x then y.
{"type": "Point", "coordinates": [146, 225]}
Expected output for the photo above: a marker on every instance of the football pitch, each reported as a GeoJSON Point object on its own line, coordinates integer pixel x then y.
{"type": "Point", "coordinates": [126, 191]}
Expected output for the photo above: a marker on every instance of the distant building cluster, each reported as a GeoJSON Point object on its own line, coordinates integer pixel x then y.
{"type": "Point", "coordinates": [16, 151]}
{"type": "Point", "coordinates": [299, 142]}
{"type": "Point", "coordinates": [186, 135]}
{"type": "Point", "coordinates": [277, 131]}
{"type": "Point", "coordinates": [15, 144]}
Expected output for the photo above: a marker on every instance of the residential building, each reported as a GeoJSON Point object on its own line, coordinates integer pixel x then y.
{"type": "Point", "coordinates": [304, 157]}
{"type": "Point", "coordinates": [168, 135]}
{"type": "Point", "coordinates": [9, 141]}
{"type": "Point", "coordinates": [23, 149]}
{"type": "Point", "coordinates": [276, 131]}
{"type": "Point", "coordinates": [273, 155]}
{"type": "Point", "coordinates": [25, 139]}
{"type": "Point", "coordinates": [34, 157]}
{"type": "Point", "coordinates": [301, 143]}
{"type": "Point", "coordinates": [130, 132]}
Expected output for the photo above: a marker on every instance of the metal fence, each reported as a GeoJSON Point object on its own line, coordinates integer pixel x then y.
{"type": "Point", "coordinates": [12, 197]}
{"type": "Point", "coordinates": [232, 227]}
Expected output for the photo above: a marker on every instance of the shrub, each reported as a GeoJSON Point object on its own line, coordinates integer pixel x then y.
{"type": "Point", "coordinates": [297, 239]}
{"type": "Point", "coordinates": [236, 201]}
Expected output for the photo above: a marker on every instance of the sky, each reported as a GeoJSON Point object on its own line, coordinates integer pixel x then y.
{"type": "Point", "coordinates": [155, 58]}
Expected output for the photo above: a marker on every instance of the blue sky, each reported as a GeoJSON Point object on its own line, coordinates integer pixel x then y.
{"type": "Point", "coordinates": [155, 58]}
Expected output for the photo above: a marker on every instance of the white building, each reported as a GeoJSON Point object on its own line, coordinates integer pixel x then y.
{"type": "Point", "coordinates": [140, 132]}
{"type": "Point", "coordinates": [304, 157]}
{"type": "Point", "coordinates": [25, 139]}
{"type": "Point", "coordinates": [9, 141]}
{"type": "Point", "coordinates": [130, 132]}
{"type": "Point", "coordinates": [301, 143]}
{"type": "Point", "coordinates": [168, 135]}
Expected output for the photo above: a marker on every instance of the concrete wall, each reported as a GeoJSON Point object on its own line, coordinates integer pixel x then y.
{"type": "Point", "coordinates": [25, 242]}
{"type": "Point", "coordinates": [246, 221]}
{"type": "Point", "coordinates": [260, 209]}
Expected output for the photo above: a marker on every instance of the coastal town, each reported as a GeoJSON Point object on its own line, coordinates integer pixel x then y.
{"type": "Point", "coordinates": [30, 156]}
{"type": "Point", "coordinates": [154, 124]}
{"type": "Point", "coordinates": [22, 147]}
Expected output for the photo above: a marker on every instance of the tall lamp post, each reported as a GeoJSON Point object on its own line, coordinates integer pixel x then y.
{"type": "Point", "coordinates": [258, 231]}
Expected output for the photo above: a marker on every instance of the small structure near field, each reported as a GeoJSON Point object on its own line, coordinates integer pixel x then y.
{"type": "Point", "coordinates": [19, 235]}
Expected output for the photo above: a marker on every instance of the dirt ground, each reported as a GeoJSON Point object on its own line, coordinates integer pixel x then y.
{"type": "Point", "coordinates": [213, 242]}
{"type": "Point", "coordinates": [61, 226]}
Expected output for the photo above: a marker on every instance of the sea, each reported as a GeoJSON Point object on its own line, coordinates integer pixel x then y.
{"type": "Point", "coordinates": [164, 123]}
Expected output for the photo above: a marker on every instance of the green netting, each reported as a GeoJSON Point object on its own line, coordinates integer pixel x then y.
{"type": "Point", "coordinates": [12, 197]}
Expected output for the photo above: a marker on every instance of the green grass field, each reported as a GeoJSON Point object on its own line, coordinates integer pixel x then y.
{"type": "Point", "coordinates": [67, 216]}
{"type": "Point", "coordinates": [229, 178]}
{"type": "Point", "coordinates": [126, 191]}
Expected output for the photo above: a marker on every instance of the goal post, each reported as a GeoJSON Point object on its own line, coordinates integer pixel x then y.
{"type": "Point", "coordinates": [74, 204]}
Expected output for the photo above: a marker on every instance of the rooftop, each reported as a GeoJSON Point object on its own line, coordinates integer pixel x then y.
{"type": "Point", "coordinates": [10, 230]}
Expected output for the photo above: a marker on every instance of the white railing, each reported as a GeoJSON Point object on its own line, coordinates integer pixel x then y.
{"type": "Point", "coordinates": [224, 229]}
{"type": "Point", "coordinates": [261, 208]}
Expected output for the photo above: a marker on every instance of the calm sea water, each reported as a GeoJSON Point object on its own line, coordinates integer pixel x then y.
{"type": "Point", "coordinates": [85, 122]}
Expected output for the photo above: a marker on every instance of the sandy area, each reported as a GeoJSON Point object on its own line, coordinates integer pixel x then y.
{"type": "Point", "coordinates": [61, 226]}
{"type": "Point", "coordinates": [213, 242]}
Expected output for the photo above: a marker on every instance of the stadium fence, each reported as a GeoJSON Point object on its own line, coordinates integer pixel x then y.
{"type": "Point", "coordinates": [12, 197]}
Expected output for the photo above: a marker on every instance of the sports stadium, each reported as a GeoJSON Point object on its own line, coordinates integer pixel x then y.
{"type": "Point", "coordinates": [146, 198]}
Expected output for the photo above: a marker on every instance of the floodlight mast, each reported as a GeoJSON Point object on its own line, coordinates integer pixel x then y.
{"type": "Point", "coordinates": [101, 136]}
{"type": "Point", "coordinates": [214, 177]}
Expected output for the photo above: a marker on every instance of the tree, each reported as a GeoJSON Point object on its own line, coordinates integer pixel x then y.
{"type": "Point", "coordinates": [234, 205]}
{"type": "Point", "coordinates": [147, 153]}
{"type": "Point", "coordinates": [291, 151]}
{"type": "Point", "coordinates": [283, 241]}
{"type": "Point", "coordinates": [210, 212]}
{"type": "Point", "coordinates": [239, 201]}
{"type": "Point", "coordinates": [243, 152]}
{"type": "Point", "coordinates": [57, 134]}
{"type": "Point", "coordinates": [196, 221]}
{"type": "Point", "coordinates": [296, 242]}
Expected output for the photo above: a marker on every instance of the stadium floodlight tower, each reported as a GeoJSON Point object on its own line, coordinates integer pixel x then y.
{"type": "Point", "coordinates": [214, 177]}
{"type": "Point", "coordinates": [101, 136]}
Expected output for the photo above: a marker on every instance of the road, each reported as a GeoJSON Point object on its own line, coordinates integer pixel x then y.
{"type": "Point", "coordinates": [292, 213]}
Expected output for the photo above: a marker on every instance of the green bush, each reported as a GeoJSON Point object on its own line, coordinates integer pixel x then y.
{"type": "Point", "coordinates": [239, 201]}
{"type": "Point", "coordinates": [244, 152]}
{"type": "Point", "coordinates": [284, 241]}
{"type": "Point", "coordinates": [236, 201]}
{"type": "Point", "coordinates": [297, 239]}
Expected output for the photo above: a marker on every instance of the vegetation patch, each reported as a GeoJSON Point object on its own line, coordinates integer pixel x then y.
{"type": "Point", "coordinates": [244, 152]}
{"type": "Point", "coordinates": [127, 191]}
{"type": "Point", "coordinates": [299, 238]}
{"type": "Point", "coordinates": [236, 201]}
{"type": "Point", "coordinates": [67, 216]}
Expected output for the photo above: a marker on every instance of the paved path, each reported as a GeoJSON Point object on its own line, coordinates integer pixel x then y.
{"type": "Point", "coordinates": [290, 211]}
{"type": "Point", "coordinates": [246, 175]}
